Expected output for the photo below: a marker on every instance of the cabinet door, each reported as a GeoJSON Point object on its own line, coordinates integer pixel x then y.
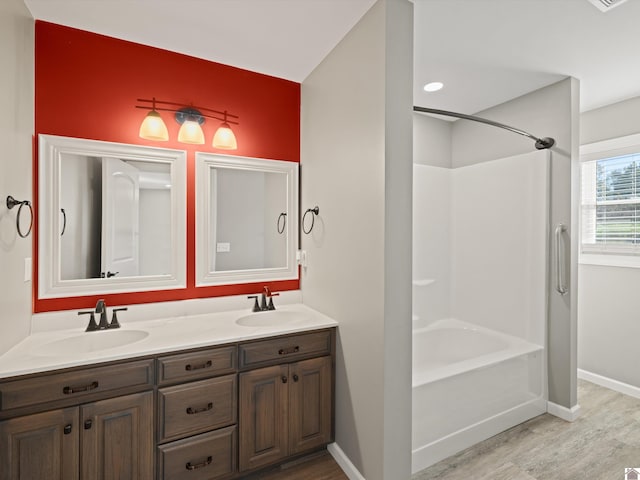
{"type": "Point", "coordinates": [117, 438]}
{"type": "Point", "coordinates": [44, 445]}
{"type": "Point", "coordinates": [310, 408]}
{"type": "Point", "coordinates": [263, 416]}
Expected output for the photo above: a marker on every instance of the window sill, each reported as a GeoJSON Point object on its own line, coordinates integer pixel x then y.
{"type": "Point", "coordinates": [609, 260]}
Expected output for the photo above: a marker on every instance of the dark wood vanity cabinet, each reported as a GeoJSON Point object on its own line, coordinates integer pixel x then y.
{"type": "Point", "coordinates": [116, 438]}
{"type": "Point", "coordinates": [286, 409]}
{"type": "Point", "coordinates": [90, 436]}
{"type": "Point", "coordinates": [197, 415]}
{"type": "Point", "coordinates": [207, 414]}
{"type": "Point", "coordinates": [42, 445]}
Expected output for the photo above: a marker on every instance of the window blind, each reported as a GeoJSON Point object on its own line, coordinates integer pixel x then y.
{"type": "Point", "coordinates": [611, 205]}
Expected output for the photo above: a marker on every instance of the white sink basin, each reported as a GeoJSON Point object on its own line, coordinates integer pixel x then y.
{"type": "Point", "coordinates": [91, 342]}
{"type": "Point", "coordinates": [272, 318]}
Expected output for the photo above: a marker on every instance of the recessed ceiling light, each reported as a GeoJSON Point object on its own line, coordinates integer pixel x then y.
{"type": "Point", "coordinates": [433, 86]}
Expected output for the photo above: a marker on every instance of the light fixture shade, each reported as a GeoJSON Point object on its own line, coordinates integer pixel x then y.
{"type": "Point", "coordinates": [225, 138]}
{"type": "Point", "coordinates": [191, 132]}
{"type": "Point", "coordinates": [153, 127]}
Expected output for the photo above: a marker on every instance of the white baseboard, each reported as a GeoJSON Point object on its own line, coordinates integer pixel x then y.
{"type": "Point", "coordinates": [343, 461]}
{"type": "Point", "coordinates": [609, 383]}
{"type": "Point", "coordinates": [567, 414]}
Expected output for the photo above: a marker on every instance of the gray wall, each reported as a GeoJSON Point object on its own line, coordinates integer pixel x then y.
{"type": "Point", "coordinates": [359, 253]}
{"type": "Point", "coordinates": [239, 194]}
{"type": "Point", "coordinates": [551, 111]}
{"type": "Point", "coordinates": [16, 130]}
{"type": "Point", "coordinates": [608, 328]}
{"type": "Point", "coordinates": [431, 141]}
{"type": "Point", "coordinates": [155, 231]}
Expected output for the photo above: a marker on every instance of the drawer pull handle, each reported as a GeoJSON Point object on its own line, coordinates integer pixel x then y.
{"type": "Point", "coordinates": [194, 466]}
{"type": "Point", "coordinates": [207, 364]}
{"type": "Point", "coordinates": [287, 351]}
{"type": "Point", "coordinates": [67, 429]}
{"type": "Point", "coordinates": [193, 411]}
{"type": "Point", "coordinates": [82, 388]}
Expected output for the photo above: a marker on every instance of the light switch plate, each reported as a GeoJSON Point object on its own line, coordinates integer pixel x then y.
{"type": "Point", "coordinates": [222, 247]}
{"type": "Point", "coordinates": [27, 269]}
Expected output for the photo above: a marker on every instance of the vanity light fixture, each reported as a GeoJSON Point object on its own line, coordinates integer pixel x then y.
{"type": "Point", "coordinates": [190, 118]}
{"type": "Point", "coordinates": [153, 127]}
{"type": "Point", "coordinates": [224, 137]}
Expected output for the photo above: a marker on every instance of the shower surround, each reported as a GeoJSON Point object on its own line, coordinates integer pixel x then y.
{"type": "Point", "coordinates": [480, 302]}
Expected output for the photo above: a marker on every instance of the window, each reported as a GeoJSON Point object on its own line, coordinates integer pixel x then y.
{"type": "Point", "coordinates": [610, 202]}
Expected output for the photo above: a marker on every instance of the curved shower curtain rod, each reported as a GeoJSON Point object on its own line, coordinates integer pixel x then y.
{"type": "Point", "coordinates": [541, 143]}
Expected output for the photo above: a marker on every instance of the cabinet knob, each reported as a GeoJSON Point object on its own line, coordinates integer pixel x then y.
{"type": "Point", "coordinates": [67, 429]}
{"type": "Point", "coordinates": [295, 377]}
{"type": "Point", "coordinates": [284, 379]}
{"type": "Point", "coordinates": [88, 424]}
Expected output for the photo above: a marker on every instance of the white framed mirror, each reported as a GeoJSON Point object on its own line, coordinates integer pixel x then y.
{"type": "Point", "coordinates": [246, 219]}
{"type": "Point", "coordinates": [111, 217]}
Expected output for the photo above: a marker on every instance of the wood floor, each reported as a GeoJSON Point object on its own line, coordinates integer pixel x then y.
{"type": "Point", "coordinates": [317, 467]}
{"type": "Point", "coordinates": [597, 446]}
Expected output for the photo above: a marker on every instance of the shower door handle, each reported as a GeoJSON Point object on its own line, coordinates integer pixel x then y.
{"type": "Point", "coordinates": [561, 286]}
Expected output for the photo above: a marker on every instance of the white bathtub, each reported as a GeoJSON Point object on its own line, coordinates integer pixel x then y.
{"type": "Point", "coordinates": [470, 383]}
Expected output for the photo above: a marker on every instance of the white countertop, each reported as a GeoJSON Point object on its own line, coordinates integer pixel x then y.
{"type": "Point", "coordinates": [164, 335]}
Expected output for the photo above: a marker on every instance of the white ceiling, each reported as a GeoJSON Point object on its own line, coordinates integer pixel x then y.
{"type": "Point", "coordinates": [282, 38]}
{"type": "Point", "coordinates": [485, 51]}
{"type": "Point", "coordinates": [489, 51]}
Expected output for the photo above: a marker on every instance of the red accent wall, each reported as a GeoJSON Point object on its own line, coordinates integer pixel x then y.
{"type": "Point", "coordinates": [86, 86]}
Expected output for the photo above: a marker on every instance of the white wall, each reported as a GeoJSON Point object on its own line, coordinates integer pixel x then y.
{"type": "Point", "coordinates": [359, 253]}
{"type": "Point", "coordinates": [475, 256]}
{"type": "Point", "coordinates": [431, 243]}
{"type": "Point", "coordinates": [431, 219]}
{"type": "Point", "coordinates": [499, 216]}
{"type": "Point", "coordinates": [608, 328]}
{"type": "Point", "coordinates": [16, 130]}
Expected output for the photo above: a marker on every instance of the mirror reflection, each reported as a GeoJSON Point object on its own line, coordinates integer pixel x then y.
{"type": "Point", "coordinates": [112, 217]}
{"type": "Point", "coordinates": [115, 217]}
{"type": "Point", "coordinates": [260, 200]}
{"type": "Point", "coordinates": [246, 219]}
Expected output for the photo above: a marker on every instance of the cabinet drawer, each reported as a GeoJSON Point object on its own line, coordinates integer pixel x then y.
{"type": "Point", "coordinates": [197, 365]}
{"type": "Point", "coordinates": [78, 384]}
{"type": "Point", "coordinates": [208, 456]}
{"type": "Point", "coordinates": [196, 407]}
{"type": "Point", "coordinates": [284, 349]}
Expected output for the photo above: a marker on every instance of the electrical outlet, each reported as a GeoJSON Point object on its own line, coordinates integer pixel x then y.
{"type": "Point", "coordinates": [301, 258]}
